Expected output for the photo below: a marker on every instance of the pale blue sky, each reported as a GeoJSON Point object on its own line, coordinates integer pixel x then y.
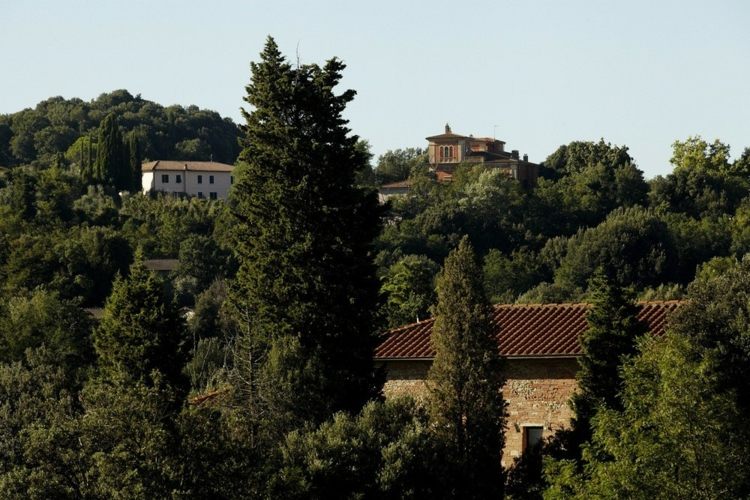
{"type": "Point", "coordinates": [536, 73]}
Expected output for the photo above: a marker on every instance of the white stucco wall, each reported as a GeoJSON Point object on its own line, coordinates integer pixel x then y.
{"type": "Point", "coordinates": [147, 181]}
{"type": "Point", "coordinates": [192, 183]}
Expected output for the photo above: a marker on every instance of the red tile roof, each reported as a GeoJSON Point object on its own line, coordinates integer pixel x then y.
{"type": "Point", "coordinates": [537, 330]}
{"type": "Point", "coordinates": [192, 166]}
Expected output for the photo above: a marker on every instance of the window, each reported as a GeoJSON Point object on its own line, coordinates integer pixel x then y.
{"type": "Point", "coordinates": [212, 196]}
{"type": "Point", "coordinates": [178, 178]}
{"type": "Point", "coordinates": [231, 179]}
{"type": "Point", "coordinates": [532, 436]}
{"type": "Point", "coordinates": [210, 179]}
{"type": "Point", "coordinates": [165, 178]}
{"type": "Point", "coordinates": [200, 179]}
{"type": "Point", "coordinates": [446, 153]}
{"type": "Point", "coordinates": [200, 194]}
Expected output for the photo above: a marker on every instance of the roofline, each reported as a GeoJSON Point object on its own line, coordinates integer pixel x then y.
{"type": "Point", "coordinates": [153, 165]}
{"type": "Point", "coordinates": [537, 356]}
{"type": "Point", "coordinates": [447, 136]}
{"type": "Point", "coordinates": [552, 304]}
{"type": "Point", "coordinates": [403, 359]}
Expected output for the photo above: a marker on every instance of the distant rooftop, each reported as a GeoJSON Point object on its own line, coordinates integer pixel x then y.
{"type": "Point", "coordinates": [192, 166]}
{"type": "Point", "coordinates": [161, 264]}
{"type": "Point", "coordinates": [450, 135]}
{"type": "Point", "coordinates": [398, 184]}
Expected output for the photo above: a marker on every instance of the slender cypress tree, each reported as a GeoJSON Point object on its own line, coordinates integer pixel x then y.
{"type": "Point", "coordinates": [611, 337]}
{"type": "Point", "coordinates": [134, 162]}
{"type": "Point", "coordinates": [111, 165]}
{"type": "Point", "coordinates": [88, 174]}
{"type": "Point", "coordinates": [465, 380]}
{"type": "Point", "coordinates": [89, 159]}
{"type": "Point", "coordinates": [306, 290]}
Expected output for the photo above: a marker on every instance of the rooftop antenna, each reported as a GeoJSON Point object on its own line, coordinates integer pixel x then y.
{"type": "Point", "coordinates": [494, 132]}
{"type": "Point", "coordinates": [211, 158]}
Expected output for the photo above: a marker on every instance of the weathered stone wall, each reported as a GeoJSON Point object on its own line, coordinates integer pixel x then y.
{"type": "Point", "coordinates": [406, 378]}
{"type": "Point", "coordinates": [537, 392]}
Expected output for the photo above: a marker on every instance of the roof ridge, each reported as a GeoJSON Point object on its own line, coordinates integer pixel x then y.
{"type": "Point", "coordinates": [410, 325]}
{"type": "Point", "coordinates": [550, 305]}
{"type": "Point", "coordinates": [539, 304]}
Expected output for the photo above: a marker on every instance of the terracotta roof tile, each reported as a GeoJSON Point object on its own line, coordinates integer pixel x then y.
{"type": "Point", "coordinates": [522, 330]}
{"type": "Point", "coordinates": [192, 166]}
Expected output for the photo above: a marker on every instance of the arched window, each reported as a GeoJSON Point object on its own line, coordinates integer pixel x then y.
{"type": "Point", "coordinates": [446, 153]}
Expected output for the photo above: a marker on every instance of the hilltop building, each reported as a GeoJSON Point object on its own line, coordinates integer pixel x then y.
{"type": "Point", "coordinates": [398, 188]}
{"type": "Point", "coordinates": [203, 179]}
{"type": "Point", "coordinates": [540, 345]}
{"type": "Point", "coordinates": [447, 150]}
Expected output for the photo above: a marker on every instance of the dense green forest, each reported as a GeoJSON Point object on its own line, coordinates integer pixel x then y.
{"type": "Point", "coordinates": [248, 371]}
{"type": "Point", "coordinates": [63, 126]}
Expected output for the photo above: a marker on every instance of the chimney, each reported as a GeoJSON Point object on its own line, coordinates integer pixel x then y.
{"type": "Point", "coordinates": [514, 154]}
{"type": "Point", "coordinates": [447, 129]}
{"type": "Point", "coordinates": [525, 157]}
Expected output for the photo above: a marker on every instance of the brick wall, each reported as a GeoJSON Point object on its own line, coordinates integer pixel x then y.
{"type": "Point", "coordinates": [537, 392]}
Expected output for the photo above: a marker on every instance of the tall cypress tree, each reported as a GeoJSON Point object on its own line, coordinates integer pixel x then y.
{"type": "Point", "coordinates": [611, 336]}
{"type": "Point", "coordinates": [134, 162]}
{"type": "Point", "coordinates": [306, 290]}
{"type": "Point", "coordinates": [465, 380]}
{"type": "Point", "coordinates": [89, 160]}
{"type": "Point", "coordinates": [88, 171]}
{"type": "Point", "coordinates": [111, 165]}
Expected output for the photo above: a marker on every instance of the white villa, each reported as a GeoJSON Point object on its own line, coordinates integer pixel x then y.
{"type": "Point", "coordinates": [204, 179]}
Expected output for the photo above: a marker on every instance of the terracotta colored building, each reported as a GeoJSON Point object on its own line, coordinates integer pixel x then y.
{"type": "Point", "coordinates": [540, 344]}
{"type": "Point", "coordinates": [447, 150]}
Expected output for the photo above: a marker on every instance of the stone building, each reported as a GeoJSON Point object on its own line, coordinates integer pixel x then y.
{"type": "Point", "coordinates": [540, 344]}
{"type": "Point", "coordinates": [203, 179]}
{"type": "Point", "coordinates": [398, 188]}
{"type": "Point", "coordinates": [448, 150]}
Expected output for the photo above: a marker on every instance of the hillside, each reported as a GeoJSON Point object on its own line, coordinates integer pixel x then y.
{"type": "Point", "coordinates": [36, 136]}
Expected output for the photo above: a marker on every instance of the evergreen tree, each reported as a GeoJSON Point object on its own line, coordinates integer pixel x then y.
{"type": "Point", "coordinates": [465, 381]}
{"type": "Point", "coordinates": [130, 425]}
{"type": "Point", "coordinates": [611, 337]}
{"type": "Point", "coordinates": [306, 289]}
{"type": "Point", "coordinates": [141, 331]}
{"type": "Point", "coordinates": [134, 162]}
{"type": "Point", "coordinates": [111, 167]}
{"type": "Point", "coordinates": [87, 162]}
